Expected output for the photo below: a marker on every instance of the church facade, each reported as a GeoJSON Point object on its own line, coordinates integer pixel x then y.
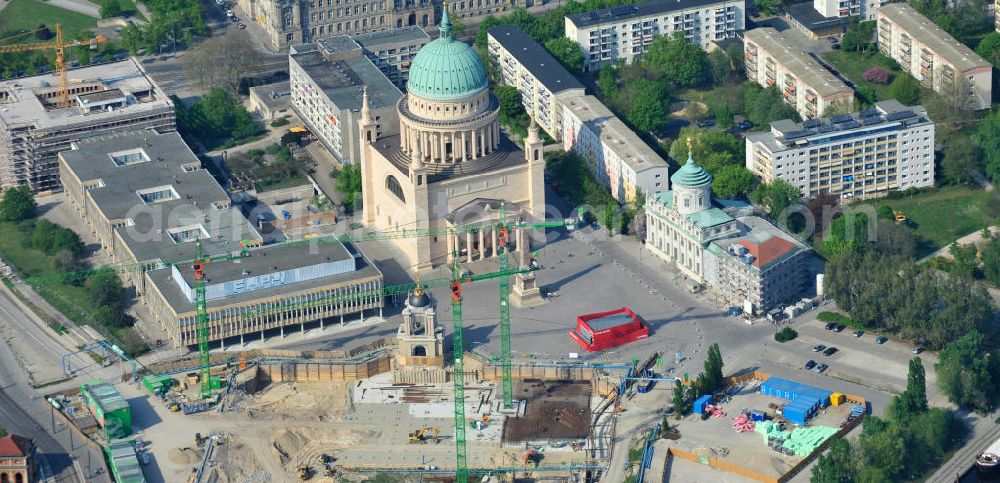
{"type": "Point", "coordinates": [449, 164]}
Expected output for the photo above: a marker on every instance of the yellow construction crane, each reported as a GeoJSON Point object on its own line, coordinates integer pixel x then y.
{"type": "Point", "coordinates": [59, 46]}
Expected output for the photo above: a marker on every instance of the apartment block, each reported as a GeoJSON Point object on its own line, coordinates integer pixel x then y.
{"type": "Point", "coordinates": [104, 99]}
{"type": "Point", "coordinates": [624, 32]}
{"type": "Point", "coordinates": [617, 157]}
{"type": "Point", "coordinates": [392, 50]}
{"type": "Point", "coordinates": [863, 155]}
{"type": "Point", "coordinates": [774, 60]}
{"type": "Point", "coordinates": [865, 9]}
{"type": "Point", "coordinates": [327, 85]}
{"type": "Point", "coordinates": [542, 81]}
{"type": "Point", "coordinates": [291, 22]}
{"type": "Point", "coordinates": [933, 57]}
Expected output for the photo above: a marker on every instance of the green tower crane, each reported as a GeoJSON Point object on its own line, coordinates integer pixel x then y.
{"type": "Point", "coordinates": [458, 376]}
{"type": "Point", "coordinates": [504, 262]}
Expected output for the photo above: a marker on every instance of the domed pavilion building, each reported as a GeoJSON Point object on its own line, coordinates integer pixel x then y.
{"type": "Point", "coordinates": [450, 164]}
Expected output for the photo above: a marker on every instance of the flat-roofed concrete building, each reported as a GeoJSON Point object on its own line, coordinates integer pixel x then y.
{"type": "Point", "coordinates": [292, 22]}
{"type": "Point", "coordinates": [723, 243]}
{"type": "Point", "coordinates": [104, 99]}
{"type": "Point", "coordinates": [390, 50]}
{"type": "Point", "coordinates": [146, 196]}
{"type": "Point", "coordinates": [543, 82]}
{"type": "Point", "coordinates": [868, 154]}
{"type": "Point", "coordinates": [624, 32]}
{"type": "Point", "coordinates": [864, 9]}
{"type": "Point", "coordinates": [327, 85]}
{"type": "Point", "coordinates": [774, 60]}
{"type": "Point", "coordinates": [807, 20]}
{"type": "Point", "coordinates": [933, 57]}
{"type": "Point", "coordinates": [617, 156]}
{"type": "Point", "coordinates": [271, 101]}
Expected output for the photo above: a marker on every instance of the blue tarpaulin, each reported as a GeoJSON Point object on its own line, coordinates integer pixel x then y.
{"type": "Point", "coordinates": [701, 402]}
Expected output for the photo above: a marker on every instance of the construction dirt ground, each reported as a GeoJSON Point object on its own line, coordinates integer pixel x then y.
{"type": "Point", "coordinates": [286, 425]}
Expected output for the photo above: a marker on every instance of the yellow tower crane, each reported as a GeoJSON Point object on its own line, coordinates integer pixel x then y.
{"type": "Point", "coordinates": [59, 46]}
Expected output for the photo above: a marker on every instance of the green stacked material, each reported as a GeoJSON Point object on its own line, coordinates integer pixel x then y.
{"type": "Point", "coordinates": [770, 430]}
{"type": "Point", "coordinates": [157, 384]}
{"type": "Point", "coordinates": [108, 407]}
{"type": "Point", "coordinates": [803, 441]}
{"type": "Point", "coordinates": [123, 462]}
{"type": "Point", "coordinates": [215, 382]}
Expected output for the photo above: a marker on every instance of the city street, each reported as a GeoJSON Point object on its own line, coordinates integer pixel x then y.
{"type": "Point", "coordinates": [24, 412]}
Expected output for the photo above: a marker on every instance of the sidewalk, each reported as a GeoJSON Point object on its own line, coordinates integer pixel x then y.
{"type": "Point", "coordinates": [965, 240]}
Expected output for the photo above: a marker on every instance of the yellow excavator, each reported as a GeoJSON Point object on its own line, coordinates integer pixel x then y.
{"type": "Point", "coordinates": [423, 434]}
{"type": "Point", "coordinates": [304, 472]}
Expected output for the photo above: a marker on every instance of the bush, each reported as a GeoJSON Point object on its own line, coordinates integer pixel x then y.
{"type": "Point", "coordinates": [878, 75]}
{"type": "Point", "coordinates": [17, 204]}
{"type": "Point", "coordinates": [279, 122]}
{"type": "Point", "coordinates": [839, 319]}
{"type": "Point", "coordinates": [785, 335]}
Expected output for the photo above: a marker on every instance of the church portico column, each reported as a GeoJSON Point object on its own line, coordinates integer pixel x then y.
{"type": "Point", "coordinates": [451, 246]}
{"type": "Point", "coordinates": [464, 133]}
{"type": "Point", "coordinates": [495, 252]}
{"type": "Point", "coordinates": [482, 245]}
{"type": "Point", "coordinates": [468, 247]}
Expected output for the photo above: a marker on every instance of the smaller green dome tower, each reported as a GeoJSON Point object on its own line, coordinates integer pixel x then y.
{"type": "Point", "coordinates": [446, 70]}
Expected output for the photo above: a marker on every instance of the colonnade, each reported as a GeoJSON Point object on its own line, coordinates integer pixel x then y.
{"type": "Point", "coordinates": [465, 143]}
{"type": "Point", "coordinates": [468, 241]}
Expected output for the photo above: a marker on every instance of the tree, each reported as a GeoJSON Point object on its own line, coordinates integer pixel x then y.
{"type": "Point", "coordinates": [17, 204]}
{"type": "Point", "coordinates": [712, 377]}
{"type": "Point", "coordinates": [838, 465]}
{"type": "Point", "coordinates": [764, 106]}
{"type": "Point", "coordinates": [132, 39]}
{"type": "Point", "coordinates": [206, 67]}
{"type": "Point", "coordinates": [882, 447]}
{"type": "Point", "coordinates": [987, 137]}
{"type": "Point", "coordinates": [722, 67]}
{"type": "Point", "coordinates": [637, 226]}
{"type": "Point", "coordinates": [868, 94]}
{"type": "Point", "coordinates": [349, 185]}
{"type": "Point", "coordinates": [680, 400]}
{"type": "Point", "coordinates": [775, 197]}
{"type": "Point", "coordinates": [877, 75]}
{"type": "Point", "coordinates": [42, 32]}
{"type": "Point", "coordinates": [913, 401]}
{"type": "Point", "coordinates": [105, 289]}
{"type": "Point", "coordinates": [989, 48]}
{"type": "Point", "coordinates": [967, 375]}
{"type": "Point", "coordinates": [768, 7]}
{"type": "Point", "coordinates": [961, 163]}
{"type": "Point", "coordinates": [567, 52]}
{"type": "Point", "coordinates": [66, 261]}
{"type": "Point", "coordinates": [991, 261]}
{"type": "Point", "coordinates": [905, 89]}
{"type": "Point", "coordinates": [510, 101]}
{"type": "Point", "coordinates": [648, 112]}
{"type": "Point", "coordinates": [110, 8]}
{"type": "Point", "coordinates": [859, 36]}
{"type": "Point", "coordinates": [733, 181]}
{"type": "Point", "coordinates": [680, 61]}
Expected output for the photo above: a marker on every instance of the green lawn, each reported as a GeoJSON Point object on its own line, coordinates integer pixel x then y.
{"type": "Point", "coordinates": [944, 215]}
{"type": "Point", "coordinates": [853, 65]}
{"type": "Point", "coordinates": [24, 16]}
{"type": "Point", "coordinates": [72, 300]}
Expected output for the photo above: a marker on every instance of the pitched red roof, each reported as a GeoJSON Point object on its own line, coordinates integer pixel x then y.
{"type": "Point", "coordinates": [14, 445]}
{"type": "Point", "coordinates": [767, 252]}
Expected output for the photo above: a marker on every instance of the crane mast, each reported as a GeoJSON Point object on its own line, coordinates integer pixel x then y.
{"type": "Point", "coordinates": [458, 375]}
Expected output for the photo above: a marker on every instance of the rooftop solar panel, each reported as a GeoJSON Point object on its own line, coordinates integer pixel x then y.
{"type": "Point", "coordinates": [811, 123]}
{"type": "Point", "coordinates": [623, 10]}
{"type": "Point", "coordinates": [870, 112]}
{"type": "Point", "coordinates": [850, 124]}
{"type": "Point", "coordinates": [839, 118]}
{"type": "Point", "coordinates": [868, 121]}
{"type": "Point", "coordinates": [826, 128]}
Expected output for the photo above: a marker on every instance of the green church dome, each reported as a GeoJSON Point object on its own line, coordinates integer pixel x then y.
{"type": "Point", "coordinates": [691, 175]}
{"type": "Point", "coordinates": [445, 69]}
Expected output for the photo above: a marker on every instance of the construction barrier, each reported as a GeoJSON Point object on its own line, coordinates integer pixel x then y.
{"type": "Point", "coordinates": [722, 465]}
{"type": "Point", "coordinates": [324, 371]}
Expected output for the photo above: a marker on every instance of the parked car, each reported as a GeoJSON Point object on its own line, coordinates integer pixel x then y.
{"type": "Point", "coordinates": [706, 123]}
{"type": "Point", "coordinates": [818, 347]}
{"type": "Point", "coordinates": [880, 340]}
{"type": "Point", "coordinates": [810, 364]}
{"type": "Point", "coordinates": [744, 125]}
{"type": "Point", "coordinates": [829, 326]}
{"type": "Point", "coordinates": [820, 368]}
{"type": "Point", "coordinates": [830, 351]}
{"type": "Point", "coordinates": [917, 350]}
{"type": "Point", "coordinates": [229, 13]}
{"type": "Point", "coordinates": [241, 25]}
{"type": "Point", "coordinates": [839, 328]}
{"type": "Point", "coordinates": [859, 333]}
